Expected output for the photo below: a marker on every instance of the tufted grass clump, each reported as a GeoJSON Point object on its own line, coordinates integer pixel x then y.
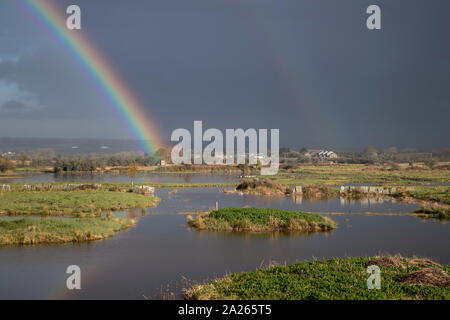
{"type": "Point", "coordinates": [260, 220]}
{"type": "Point", "coordinates": [26, 231]}
{"type": "Point", "coordinates": [343, 279]}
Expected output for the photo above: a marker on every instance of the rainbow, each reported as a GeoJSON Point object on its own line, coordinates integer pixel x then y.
{"type": "Point", "coordinates": [101, 74]}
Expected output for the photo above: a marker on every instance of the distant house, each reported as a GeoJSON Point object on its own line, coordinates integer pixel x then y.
{"type": "Point", "coordinates": [8, 154]}
{"type": "Point", "coordinates": [321, 154]}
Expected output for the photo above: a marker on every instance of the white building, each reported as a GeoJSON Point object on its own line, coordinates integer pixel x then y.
{"type": "Point", "coordinates": [322, 154]}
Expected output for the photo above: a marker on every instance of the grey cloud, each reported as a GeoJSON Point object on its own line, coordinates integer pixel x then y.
{"type": "Point", "coordinates": [310, 68]}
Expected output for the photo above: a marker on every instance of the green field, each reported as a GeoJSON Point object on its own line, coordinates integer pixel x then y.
{"type": "Point", "coordinates": [57, 230]}
{"type": "Point", "coordinates": [70, 202]}
{"type": "Point", "coordinates": [435, 201]}
{"type": "Point", "coordinates": [360, 173]}
{"type": "Point", "coordinates": [258, 220]}
{"type": "Point", "coordinates": [440, 195]}
{"type": "Point", "coordinates": [401, 278]}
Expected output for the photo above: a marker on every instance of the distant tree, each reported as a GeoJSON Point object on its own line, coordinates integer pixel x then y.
{"type": "Point", "coordinates": [162, 154]}
{"type": "Point", "coordinates": [23, 158]}
{"type": "Point", "coordinates": [303, 159]}
{"type": "Point", "coordinates": [370, 152]}
{"type": "Point", "coordinates": [303, 150]}
{"type": "Point", "coordinates": [284, 150]}
{"type": "Point", "coordinates": [58, 166]}
{"type": "Point", "coordinates": [431, 163]}
{"type": "Point", "coordinates": [391, 150]}
{"type": "Point", "coordinates": [80, 165]}
{"type": "Point", "coordinates": [6, 165]}
{"type": "Point", "coordinates": [369, 149]}
{"type": "Point", "coordinates": [132, 172]}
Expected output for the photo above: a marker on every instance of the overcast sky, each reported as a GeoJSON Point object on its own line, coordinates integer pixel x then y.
{"type": "Point", "coordinates": [310, 68]}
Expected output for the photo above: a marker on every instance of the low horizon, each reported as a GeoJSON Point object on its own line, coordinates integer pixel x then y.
{"type": "Point", "coordinates": [136, 144]}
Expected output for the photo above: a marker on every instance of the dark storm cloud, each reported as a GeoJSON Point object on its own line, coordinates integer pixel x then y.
{"type": "Point", "coordinates": [62, 89]}
{"type": "Point", "coordinates": [310, 68]}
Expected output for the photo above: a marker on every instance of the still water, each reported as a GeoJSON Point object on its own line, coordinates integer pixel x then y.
{"type": "Point", "coordinates": [161, 251]}
{"type": "Point", "coordinates": [141, 178]}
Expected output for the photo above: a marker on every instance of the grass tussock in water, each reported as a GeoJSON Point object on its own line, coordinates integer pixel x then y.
{"type": "Point", "coordinates": [435, 201]}
{"type": "Point", "coordinates": [261, 220]}
{"type": "Point", "coordinates": [56, 230]}
{"type": "Point", "coordinates": [439, 195]}
{"type": "Point", "coordinates": [70, 202]}
{"type": "Point", "coordinates": [262, 187]}
{"type": "Point", "coordinates": [401, 278]}
{"type": "Point", "coordinates": [437, 212]}
{"type": "Point", "coordinates": [271, 187]}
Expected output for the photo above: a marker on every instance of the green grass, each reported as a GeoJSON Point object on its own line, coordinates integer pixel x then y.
{"type": "Point", "coordinates": [58, 230]}
{"type": "Point", "coordinates": [22, 170]}
{"type": "Point", "coordinates": [324, 280]}
{"type": "Point", "coordinates": [70, 202]}
{"type": "Point", "coordinates": [260, 219]}
{"type": "Point", "coordinates": [435, 201]}
{"type": "Point", "coordinates": [359, 173]}
{"type": "Point", "coordinates": [262, 187]}
{"type": "Point", "coordinates": [432, 194]}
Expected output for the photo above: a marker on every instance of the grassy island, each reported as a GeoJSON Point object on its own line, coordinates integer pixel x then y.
{"type": "Point", "coordinates": [56, 230]}
{"type": "Point", "coordinates": [435, 201]}
{"type": "Point", "coordinates": [269, 187]}
{"type": "Point", "coordinates": [258, 220]}
{"type": "Point", "coordinates": [69, 203]}
{"type": "Point", "coordinates": [401, 278]}
{"type": "Point", "coordinates": [61, 213]}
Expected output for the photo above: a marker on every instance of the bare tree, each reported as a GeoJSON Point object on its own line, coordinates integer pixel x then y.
{"type": "Point", "coordinates": [132, 172]}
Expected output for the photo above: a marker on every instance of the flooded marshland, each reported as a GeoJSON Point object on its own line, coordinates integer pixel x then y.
{"type": "Point", "coordinates": [120, 177]}
{"type": "Point", "coordinates": [155, 256]}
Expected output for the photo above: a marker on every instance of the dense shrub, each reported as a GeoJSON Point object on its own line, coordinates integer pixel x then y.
{"type": "Point", "coordinates": [6, 165]}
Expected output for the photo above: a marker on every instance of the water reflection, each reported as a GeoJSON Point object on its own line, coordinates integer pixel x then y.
{"type": "Point", "coordinates": [256, 235]}
{"type": "Point", "coordinates": [365, 201]}
{"type": "Point", "coordinates": [204, 199]}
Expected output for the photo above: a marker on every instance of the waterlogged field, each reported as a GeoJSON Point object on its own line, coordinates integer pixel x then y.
{"type": "Point", "coordinates": [336, 174]}
{"type": "Point", "coordinates": [433, 194]}
{"type": "Point", "coordinates": [70, 202]}
{"type": "Point", "coordinates": [162, 242]}
{"type": "Point", "coordinates": [46, 206]}
{"type": "Point", "coordinates": [160, 239]}
{"type": "Point", "coordinates": [362, 174]}
{"type": "Point", "coordinates": [55, 230]}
